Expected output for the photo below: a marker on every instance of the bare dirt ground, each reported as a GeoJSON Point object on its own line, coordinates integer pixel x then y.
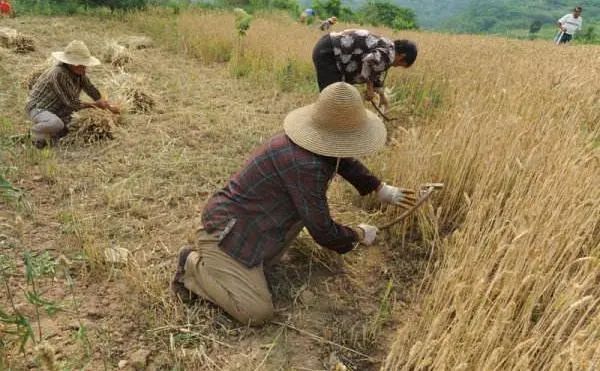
{"type": "Point", "coordinates": [141, 192]}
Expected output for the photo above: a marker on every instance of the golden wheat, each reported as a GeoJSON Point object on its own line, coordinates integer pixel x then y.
{"type": "Point", "coordinates": [510, 127]}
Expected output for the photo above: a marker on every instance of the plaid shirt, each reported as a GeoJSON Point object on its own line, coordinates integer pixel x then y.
{"type": "Point", "coordinates": [57, 90]}
{"type": "Point", "coordinates": [362, 56]}
{"type": "Point", "coordinates": [280, 185]}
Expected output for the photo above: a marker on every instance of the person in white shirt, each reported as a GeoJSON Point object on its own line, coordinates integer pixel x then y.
{"type": "Point", "coordinates": [569, 24]}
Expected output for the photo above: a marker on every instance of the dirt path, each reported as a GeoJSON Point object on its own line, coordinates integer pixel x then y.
{"type": "Point", "coordinates": [141, 192]}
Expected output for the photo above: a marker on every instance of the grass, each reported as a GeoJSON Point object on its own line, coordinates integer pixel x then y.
{"type": "Point", "coordinates": [499, 271]}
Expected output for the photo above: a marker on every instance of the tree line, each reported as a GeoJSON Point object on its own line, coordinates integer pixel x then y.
{"type": "Point", "coordinates": [372, 12]}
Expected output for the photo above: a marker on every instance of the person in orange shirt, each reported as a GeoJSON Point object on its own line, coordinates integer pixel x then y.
{"type": "Point", "coordinates": [5, 8]}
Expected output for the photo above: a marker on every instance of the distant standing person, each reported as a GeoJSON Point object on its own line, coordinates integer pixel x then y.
{"type": "Point", "coordinates": [55, 95]}
{"type": "Point", "coordinates": [360, 57]}
{"type": "Point", "coordinates": [307, 14]}
{"type": "Point", "coordinates": [326, 25]}
{"type": "Point", "coordinates": [569, 24]}
{"type": "Point", "coordinates": [5, 8]}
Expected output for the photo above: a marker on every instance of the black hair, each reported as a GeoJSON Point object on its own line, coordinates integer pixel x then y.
{"type": "Point", "coordinates": [408, 48]}
{"type": "Point", "coordinates": [578, 8]}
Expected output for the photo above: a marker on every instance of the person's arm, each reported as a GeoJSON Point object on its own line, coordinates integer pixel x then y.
{"type": "Point", "coordinates": [358, 175]}
{"type": "Point", "coordinates": [374, 65]}
{"type": "Point", "coordinates": [93, 92]}
{"type": "Point", "coordinates": [90, 89]}
{"type": "Point", "coordinates": [307, 188]}
{"type": "Point", "coordinates": [561, 21]}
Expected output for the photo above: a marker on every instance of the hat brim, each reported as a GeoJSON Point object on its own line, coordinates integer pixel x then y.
{"type": "Point", "coordinates": [364, 140]}
{"type": "Point", "coordinates": [88, 62]}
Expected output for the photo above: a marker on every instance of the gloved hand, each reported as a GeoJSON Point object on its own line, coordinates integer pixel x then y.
{"type": "Point", "coordinates": [403, 197]}
{"type": "Point", "coordinates": [370, 232]}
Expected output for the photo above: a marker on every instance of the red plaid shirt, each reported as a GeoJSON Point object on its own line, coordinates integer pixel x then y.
{"type": "Point", "coordinates": [280, 185]}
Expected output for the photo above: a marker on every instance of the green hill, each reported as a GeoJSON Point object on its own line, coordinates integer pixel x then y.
{"type": "Point", "coordinates": [495, 16]}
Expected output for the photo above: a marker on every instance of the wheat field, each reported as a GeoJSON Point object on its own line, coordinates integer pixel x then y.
{"type": "Point", "coordinates": [500, 271]}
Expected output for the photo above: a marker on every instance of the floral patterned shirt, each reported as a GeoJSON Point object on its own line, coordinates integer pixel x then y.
{"type": "Point", "coordinates": [362, 56]}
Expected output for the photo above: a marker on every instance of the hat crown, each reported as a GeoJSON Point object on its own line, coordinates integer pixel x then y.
{"type": "Point", "coordinates": [78, 50]}
{"type": "Point", "coordinates": [339, 108]}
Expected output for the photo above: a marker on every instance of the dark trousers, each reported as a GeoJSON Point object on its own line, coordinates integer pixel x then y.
{"type": "Point", "coordinates": [565, 38]}
{"type": "Point", "coordinates": [324, 60]}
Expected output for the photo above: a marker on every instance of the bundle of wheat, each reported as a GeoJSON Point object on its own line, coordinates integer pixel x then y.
{"type": "Point", "coordinates": [137, 42]}
{"type": "Point", "coordinates": [7, 36]}
{"type": "Point", "coordinates": [23, 44]}
{"type": "Point", "coordinates": [31, 79]}
{"type": "Point", "coordinates": [116, 54]}
{"type": "Point", "coordinates": [92, 125]}
{"type": "Point", "coordinates": [140, 102]}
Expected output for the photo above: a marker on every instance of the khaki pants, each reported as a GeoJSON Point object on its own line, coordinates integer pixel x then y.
{"type": "Point", "coordinates": [217, 277]}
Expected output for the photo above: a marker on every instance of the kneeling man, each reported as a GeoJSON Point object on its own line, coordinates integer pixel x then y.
{"type": "Point", "coordinates": [282, 188]}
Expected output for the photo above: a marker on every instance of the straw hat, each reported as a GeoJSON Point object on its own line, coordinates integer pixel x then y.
{"type": "Point", "coordinates": [337, 125]}
{"type": "Point", "coordinates": [76, 53]}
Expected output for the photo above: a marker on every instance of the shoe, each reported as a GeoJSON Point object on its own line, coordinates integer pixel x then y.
{"type": "Point", "coordinates": [177, 286]}
{"type": "Point", "coordinates": [39, 143]}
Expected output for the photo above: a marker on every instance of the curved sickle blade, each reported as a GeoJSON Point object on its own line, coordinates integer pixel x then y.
{"type": "Point", "coordinates": [424, 197]}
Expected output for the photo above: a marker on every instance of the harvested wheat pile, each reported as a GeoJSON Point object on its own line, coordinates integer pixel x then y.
{"type": "Point", "coordinates": [7, 36]}
{"type": "Point", "coordinates": [137, 42]}
{"type": "Point", "coordinates": [24, 44]}
{"type": "Point", "coordinates": [139, 102]}
{"type": "Point", "coordinates": [92, 125]}
{"type": "Point", "coordinates": [11, 38]}
{"type": "Point", "coordinates": [31, 79]}
{"type": "Point", "coordinates": [116, 54]}
{"type": "Point", "coordinates": [36, 71]}
{"type": "Point", "coordinates": [128, 90]}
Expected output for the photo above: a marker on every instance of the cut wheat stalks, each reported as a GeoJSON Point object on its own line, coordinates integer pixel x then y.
{"type": "Point", "coordinates": [425, 195]}
{"type": "Point", "coordinates": [93, 125]}
{"type": "Point", "coordinates": [117, 55]}
{"type": "Point", "coordinates": [12, 39]}
{"type": "Point", "coordinates": [137, 42]}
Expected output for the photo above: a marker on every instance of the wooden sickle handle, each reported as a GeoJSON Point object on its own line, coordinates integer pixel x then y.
{"type": "Point", "coordinates": [403, 216]}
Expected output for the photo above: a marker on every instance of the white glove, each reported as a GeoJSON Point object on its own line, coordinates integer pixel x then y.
{"type": "Point", "coordinates": [370, 232]}
{"type": "Point", "coordinates": [397, 196]}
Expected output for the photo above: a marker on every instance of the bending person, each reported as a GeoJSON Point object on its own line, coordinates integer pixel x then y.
{"type": "Point", "coordinates": [360, 57]}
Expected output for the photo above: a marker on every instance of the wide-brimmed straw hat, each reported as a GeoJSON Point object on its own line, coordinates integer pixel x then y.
{"type": "Point", "coordinates": [337, 125]}
{"type": "Point", "coordinates": [76, 53]}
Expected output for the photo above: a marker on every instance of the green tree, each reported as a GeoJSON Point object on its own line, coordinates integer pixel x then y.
{"type": "Point", "coordinates": [535, 26]}
{"type": "Point", "coordinates": [328, 8]}
{"type": "Point", "coordinates": [383, 12]}
{"type": "Point", "coordinates": [118, 4]}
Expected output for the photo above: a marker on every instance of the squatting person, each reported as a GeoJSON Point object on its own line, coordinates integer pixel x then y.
{"type": "Point", "coordinates": [55, 95]}
{"type": "Point", "coordinates": [326, 25]}
{"type": "Point", "coordinates": [248, 225]}
{"type": "Point", "coordinates": [569, 24]}
{"type": "Point", "coordinates": [359, 56]}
